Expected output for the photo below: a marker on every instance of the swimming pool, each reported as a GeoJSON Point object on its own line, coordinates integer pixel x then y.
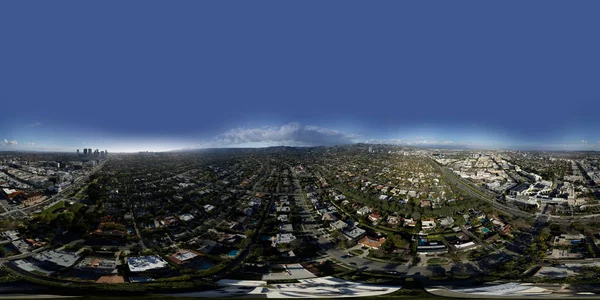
{"type": "Point", "coordinates": [233, 253]}
{"type": "Point", "coordinates": [485, 230]}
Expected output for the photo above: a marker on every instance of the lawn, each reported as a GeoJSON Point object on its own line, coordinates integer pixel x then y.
{"type": "Point", "coordinates": [76, 207]}
{"type": "Point", "coordinates": [54, 207]}
{"type": "Point", "coordinates": [357, 251]}
{"type": "Point", "coordinates": [436, 261]}
{"type": "Point", "coordinates": [49, 214]}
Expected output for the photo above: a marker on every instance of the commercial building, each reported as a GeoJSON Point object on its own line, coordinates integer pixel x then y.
{"type": "Point", "coordinates": [146, 263]}
{"type": "Point", "coordinates": [99, 265]}
{"type": "Point", "coordinates": [55, 260]}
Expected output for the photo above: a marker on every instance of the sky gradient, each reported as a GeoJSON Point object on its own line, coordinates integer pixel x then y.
{"type": "Point", "coordinates": [148, 75]}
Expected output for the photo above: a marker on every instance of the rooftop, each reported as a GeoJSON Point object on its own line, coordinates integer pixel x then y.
{"type": "Point", "coordinates": [146, 263]}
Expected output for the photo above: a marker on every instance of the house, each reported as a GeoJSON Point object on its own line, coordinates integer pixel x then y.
{"type": "Point", "coordinates": [286, 228]}
{"type": "Point", "coordinates": [184, 256]}
{"type": "Point", "coordinates": [101, 265]}
{"type": "Point", "coordinates": [354, 233]}
{"type": "Point", "coordinates": [283, 209]}
{"type": "Point", "coordinates": [208, 208]}
{"type": "Point", "coordinates": [186, 217]}
{"type": "Point", "coordinates": [339, 225]}
{"type": "Point", "coordinates": [374, 217]}
{"type": "Point", "coordinates": [373, 243]}
{"type": "Point", "coordinates": [171, 221]}
{"type": "Point", "coordinates": [363, 211]}
{"type": "Point", "coordinates": [428, 224]}
{"type": "Point", "coordinates": [339, 197]}
{"type": "Point", "coordinates": [410, 222]}
{"type": "Point", "coordinates": [282, 218]}
{"type": "Point", "coordinates": [383, 197]}
{"type": "Point", "coordinates": [425, 203]}
{"type": "Point", "coordinates": [21, 245]}
{"type": "Point", "coordinates": [282, 238]}
{"type": "Point", "coordinates": [393, 220]}
{"type": "Point", "coordinates": [11, 235]}
{"type": "Point", "coordinates": [329, 217]}
{"type": "Point", "coordinates": [446, 222]}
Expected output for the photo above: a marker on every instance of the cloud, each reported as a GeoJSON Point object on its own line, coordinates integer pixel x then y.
{"type": "Point", "coordinates": [419, 141]}
{"type": "Point", "coordinates": [292, 134]}
{"type": "Point", "coordinates": [35, 124]}
{"type": "Point", "coordinates": [7, 142]}
{"type": "Point", "coordinates": [584, 141]}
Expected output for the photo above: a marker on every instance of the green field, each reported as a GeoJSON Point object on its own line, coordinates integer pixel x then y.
{"type": "Point", "coordinates": [436, 261]}
{"type": "Point", "coordinates": [48, 211]}
{"type": "Point", "coordinates": [76, 207]}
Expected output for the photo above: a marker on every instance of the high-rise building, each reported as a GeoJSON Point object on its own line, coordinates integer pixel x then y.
{"type": "Point", "coordinates": [77, 151]}
{"type": "Point", "coordinates": [85, 151]}
{"type": "Point", "coordinates": [89, 151]}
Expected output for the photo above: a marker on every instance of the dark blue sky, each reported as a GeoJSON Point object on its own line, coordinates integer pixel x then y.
{"type": "Point", "coordinates": [129, 75]}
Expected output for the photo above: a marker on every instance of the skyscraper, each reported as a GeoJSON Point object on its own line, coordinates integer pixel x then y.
{"type": "Point", "coordinates": [84, 151]}
{"type": "Point", "coordinates": [77, 151]}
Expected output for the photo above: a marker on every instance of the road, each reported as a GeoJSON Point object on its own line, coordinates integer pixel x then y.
{"type": "Point", "coordinates": [475, 192]}
{"type": "Point", "coordinates": [56, 198]}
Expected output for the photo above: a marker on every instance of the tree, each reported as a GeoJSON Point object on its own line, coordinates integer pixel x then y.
{"type": "Point", "coordinates": [94, 192]}
{"type": "Point", "coordinates": [459, 220]}
{"type": "Point", "coordinates": [64, 220]}
{"type": "Point", "coordinates": [388, 246]}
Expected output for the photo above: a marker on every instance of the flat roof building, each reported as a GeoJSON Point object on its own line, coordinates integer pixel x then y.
{"type": "Point", "coordinates": [55, 260]}
{"type": "Point", "coordinates": [146, 263]}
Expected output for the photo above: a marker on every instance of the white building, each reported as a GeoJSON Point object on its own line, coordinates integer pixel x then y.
{"type": "Point", "coordinates": [283, 238]}
{"type": "Point", "coordinates": [208, 207]}
{"type": "Point", "coordinates": [146, 263]}
{"type": "Point", "coordinates": [365, 210]}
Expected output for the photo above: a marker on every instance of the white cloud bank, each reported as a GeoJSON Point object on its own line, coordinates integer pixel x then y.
{"type": "Point", "coordinates": [8, 143]}
{"type": "Point", "coordinates": [292, 134]}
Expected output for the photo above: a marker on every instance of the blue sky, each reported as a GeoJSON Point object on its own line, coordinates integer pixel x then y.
{"type": "Point", "coordinates": [149, 75]}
